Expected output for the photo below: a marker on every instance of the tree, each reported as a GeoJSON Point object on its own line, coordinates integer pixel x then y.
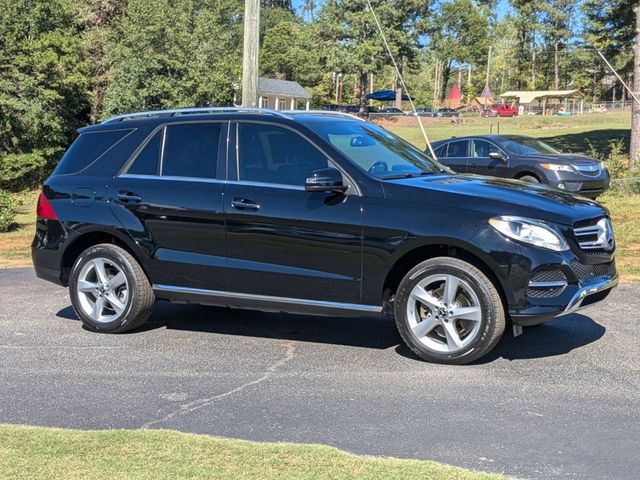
{"type": "Point", "coordinates": [44, 82]}
{"type": "Point", "coordinates": [174, 54]}
{"type": "Point", "coordinates": [352, 43]}
{"type": "Point", "coordinates": [556, 28]}
{"type": "Point", "coordinates": [459, 34]}
{"type": "Point", "coordinates": [634, 152]}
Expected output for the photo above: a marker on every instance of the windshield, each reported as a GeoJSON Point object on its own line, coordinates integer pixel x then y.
{"type": "Point", "coordinates": [528, 146]}
{"type": "Point", "coordinates": [377, 151]}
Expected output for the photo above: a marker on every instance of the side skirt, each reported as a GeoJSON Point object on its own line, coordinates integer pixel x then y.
{"type": "Point", "coordinates": [263, 303]}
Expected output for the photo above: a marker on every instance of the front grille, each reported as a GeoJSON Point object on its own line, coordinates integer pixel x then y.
{"type": "Point", "coordinates": [582, 271]}
{"type": "Point", "coordinates": [587, 168]}
{"type": "Point", "coordinates": [547, 292]}
{"type": "Point", "coordinates": [595, 237]}
{"type": "Point", "coordinates": [549, 275]}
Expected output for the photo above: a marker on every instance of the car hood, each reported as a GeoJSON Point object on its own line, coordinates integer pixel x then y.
{"type": "Point", "coordinates": [495, 196]}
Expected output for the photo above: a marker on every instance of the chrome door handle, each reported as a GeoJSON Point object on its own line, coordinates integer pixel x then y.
{"type": "Point", "coordinates": [244, 204]}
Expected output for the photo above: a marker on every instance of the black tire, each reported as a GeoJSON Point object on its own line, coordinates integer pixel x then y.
{"type": "Point", "coordinates": [140, 296]}
{"type": "Point", "coordinates": [492, 323]}
{"type": "Point", "coordinates": [529, 178]}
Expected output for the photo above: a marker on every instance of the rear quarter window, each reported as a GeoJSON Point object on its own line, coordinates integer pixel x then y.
{"type": "Point", "coordinates": [87, 148]}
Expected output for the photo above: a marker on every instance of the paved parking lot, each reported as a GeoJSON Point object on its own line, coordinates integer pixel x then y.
{"type": "Point", "coordinates": [560, 402]}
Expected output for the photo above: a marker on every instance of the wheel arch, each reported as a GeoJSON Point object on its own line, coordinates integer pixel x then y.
{"type": "Point", "coordinates": [86, 239]}
{"type": "Point", "coordinates": [525, 173]}
{"type": "Point", "coordinates": [455, 249]}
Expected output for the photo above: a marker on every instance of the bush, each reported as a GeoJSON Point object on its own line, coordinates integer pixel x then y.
{"type": "Point", "coordinates": [633, 183]}
{"type": "Point", "coordinates": [7, 211]}
{"type": "Point", "coordinates": [617, 161]}
{"type": "Point", "coordinates": [20, 171]}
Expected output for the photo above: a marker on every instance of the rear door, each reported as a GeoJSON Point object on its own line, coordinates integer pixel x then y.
{"type": "Point", "coordinates": [455, 155]}
{"type": "Point", "coordinates": [482, 164]}
{"type": "Point", "coordinates": [282, 240]}
{"type": "Point", "coordinates": [169, 198]}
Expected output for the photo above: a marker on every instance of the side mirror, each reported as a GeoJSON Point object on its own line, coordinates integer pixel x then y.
{"type": "Point", "coordinates": [498, 156]}
{"type": "Point", "coordinates": [325, 180]}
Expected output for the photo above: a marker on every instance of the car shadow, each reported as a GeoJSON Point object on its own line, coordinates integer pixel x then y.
{"type": "Point", "coordinates": [556, 337]}
{"type": "Point", "coordinates": [583, 142]}
{"type": "Point", "coordinates": [376, 333]}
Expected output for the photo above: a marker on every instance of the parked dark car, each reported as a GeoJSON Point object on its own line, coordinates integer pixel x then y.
{"type": "Point", "coordinates": [318, 213]}
{"type": "Point", "coordinates": [425, 112]}
{"type": "Point", "coordinates": [447, 112]}
{"type": "Point", "coordinates": [391, 111]}
{"type": "Point", "coordinates": [524, 158]}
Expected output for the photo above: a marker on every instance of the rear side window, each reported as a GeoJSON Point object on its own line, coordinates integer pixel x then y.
{"type": "Point", "coordinates": [457, 149]}
{"type": "Point", "coordinates": [148, 160]}
{"type": "Point", "coordinates": [191, 150]}
{"type": "Point", "coordinates": [87, 148]}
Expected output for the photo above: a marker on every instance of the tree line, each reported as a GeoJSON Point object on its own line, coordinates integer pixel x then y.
{"type": "Point", "coordinates": [66, 63]}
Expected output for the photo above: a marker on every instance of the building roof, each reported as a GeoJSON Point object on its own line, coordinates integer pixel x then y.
{"type": "Point", "coordinates": [532, 96]}
{"type": "Point", "coordinates": [284, 88]}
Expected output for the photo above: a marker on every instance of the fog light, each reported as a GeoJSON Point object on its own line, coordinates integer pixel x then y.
{"type": "Point", "coordinates": [561, 185]}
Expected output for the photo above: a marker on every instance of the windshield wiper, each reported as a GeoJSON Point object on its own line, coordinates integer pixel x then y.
{"type": "Point", "coordinates": [395, 176]}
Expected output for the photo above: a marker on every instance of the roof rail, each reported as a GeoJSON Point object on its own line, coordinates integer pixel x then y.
{"type": "Point", "coordinates": [183, 111]}
{"type": "Point", "coordinates": [325, 112]}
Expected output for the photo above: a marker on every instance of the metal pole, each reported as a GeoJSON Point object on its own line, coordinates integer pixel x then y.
{"type": "Point", "coordinates": [251, 51]}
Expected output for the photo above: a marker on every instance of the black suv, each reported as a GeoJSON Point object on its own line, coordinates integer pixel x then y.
{"type": "Point", "coordinates": [310, 212]}
{"type": "Point", "coordinates": [525, 158]}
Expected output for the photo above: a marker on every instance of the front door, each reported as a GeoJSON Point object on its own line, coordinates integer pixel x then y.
{"type": "Point", "coordinates": [170, 200]}
{"type": "Point", "coordinates": [480, 162]}
{"type": "Point", "coordinates": [283, 241]}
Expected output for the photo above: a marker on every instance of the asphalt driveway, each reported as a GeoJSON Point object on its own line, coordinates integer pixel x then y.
{"type": "Point", "coordinates": [560, 402]}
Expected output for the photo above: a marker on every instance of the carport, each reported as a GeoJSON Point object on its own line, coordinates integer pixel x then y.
{"type": "Point", "coordinates": [546, 101]}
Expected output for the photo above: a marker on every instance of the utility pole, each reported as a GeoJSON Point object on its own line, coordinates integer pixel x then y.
{"type": "Point", "coordinates": [251, 52]}
{"type": "Point", "coordinates": [486, 83]}
{"type": "Point", "coordinates": [634, 151]}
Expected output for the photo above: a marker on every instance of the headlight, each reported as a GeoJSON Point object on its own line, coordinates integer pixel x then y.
{"type": "Point", "coordinates": [554, 167]}
{"type": "Point", "coordinates": [602, 165]}
{"type": "Point", "coordinates": [530, 231]}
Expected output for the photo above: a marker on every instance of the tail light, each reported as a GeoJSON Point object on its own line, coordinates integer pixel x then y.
{"type": "Point", "coordinates": [44, 209]}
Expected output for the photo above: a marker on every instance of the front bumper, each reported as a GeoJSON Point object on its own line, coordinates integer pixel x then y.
{"type": "Point", "coordinates": [585, 185]}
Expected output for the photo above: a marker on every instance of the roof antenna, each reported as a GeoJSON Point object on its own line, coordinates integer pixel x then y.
{"type": "Point", "coordinates": [404, 86]}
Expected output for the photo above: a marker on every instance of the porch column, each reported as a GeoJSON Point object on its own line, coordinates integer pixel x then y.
{"type": "Point", "coordinates": [308, 104]}
{"type": "Point", "coordinates": [277, 102]}
{"type": "Point", "coordinates": [260, 101]}
{"type": "Point", "coordinates": [293, 104]}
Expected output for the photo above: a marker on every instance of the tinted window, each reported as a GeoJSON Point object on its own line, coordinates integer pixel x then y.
{"type": "Point", "coordinates": [276, 155]}
{"type": "Point", "coordinates": [148, 160]}
{"type": "Point", "coordinates": [87, 148]}
{"type": "Point", "coordinates": [441, 151]}
{"type": "Point", "coordinates": [191, 150]}
{"type": "Point", "coordinates": [482, 149]}
{"type": "Point", "coordinates": [457, 149]}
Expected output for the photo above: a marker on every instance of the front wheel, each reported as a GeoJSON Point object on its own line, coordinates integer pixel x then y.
{"type": "Point", "coordinates": [109, 291]}
{"type": "Point", "coordinates": [448, 311]}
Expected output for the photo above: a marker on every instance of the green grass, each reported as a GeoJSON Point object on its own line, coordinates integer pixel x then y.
{"type": "Point", "coordinates": [570, 134]}
{"type": "Point", "coordinates": [625, 212]}
{"type": "Point", "coordinates": [15, 245]}
{"type": "Point", "coordinates": [47, 454]}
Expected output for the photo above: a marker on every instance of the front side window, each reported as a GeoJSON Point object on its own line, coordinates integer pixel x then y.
{"type": "Point", "coordinates": [375, 150]}
{"type": "Point", "coordinates": [270, 154]}
{"type": "Point", "coordinates": [482, 149]}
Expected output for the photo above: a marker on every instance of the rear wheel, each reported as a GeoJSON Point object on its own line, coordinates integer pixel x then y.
{"type": "Point", "coordinates": [448, 311]}
{"type": "Point", "coordinates": [109, 291]}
